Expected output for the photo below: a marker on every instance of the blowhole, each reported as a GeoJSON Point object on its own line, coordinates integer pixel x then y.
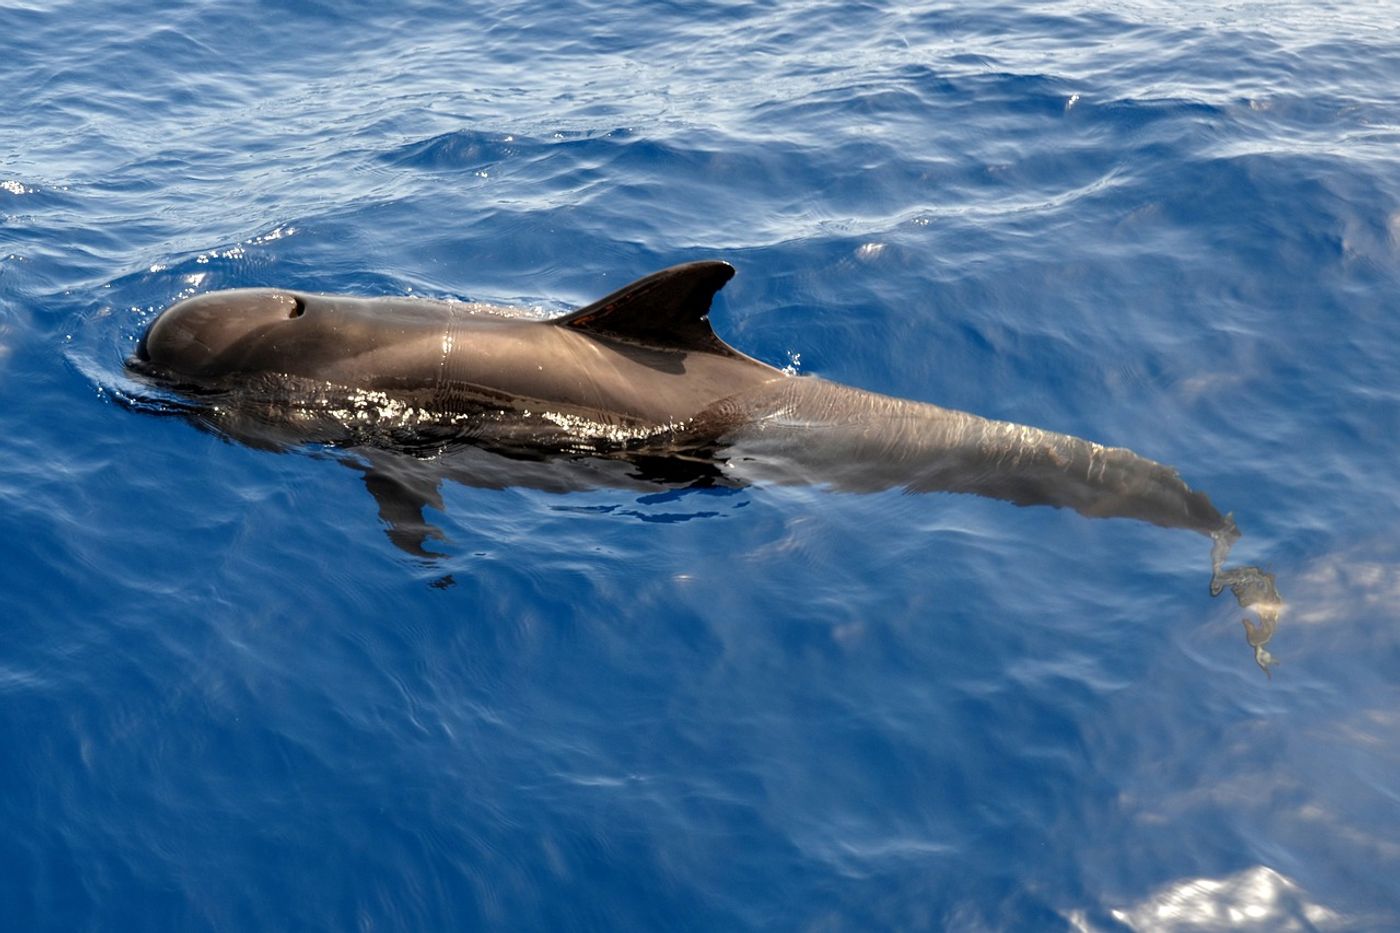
{"type": "Point", "coordinates": [298, 307]}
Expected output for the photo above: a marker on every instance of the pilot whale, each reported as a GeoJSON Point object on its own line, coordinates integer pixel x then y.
{"type": "Point", "coordinates": [637, 374]}
{"type": "Point", "coordinates": [635, 388]}
{"type": "Point", "coordinates": [640, 372]}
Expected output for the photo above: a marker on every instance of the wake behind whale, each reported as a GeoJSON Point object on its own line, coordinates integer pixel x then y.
{"type": "Point", "coordinates": [635, 389]}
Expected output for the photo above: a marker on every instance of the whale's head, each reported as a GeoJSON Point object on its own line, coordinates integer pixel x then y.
{"type": "Point", "coordinates": [220, 334]}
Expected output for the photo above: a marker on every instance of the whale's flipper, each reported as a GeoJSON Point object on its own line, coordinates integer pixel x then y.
{"type": "Point", "coordinates": [667, 310]}
{"type": "Point", "coordinates": [402, 488]}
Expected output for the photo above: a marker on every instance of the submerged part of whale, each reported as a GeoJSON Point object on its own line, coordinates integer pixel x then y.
{"type": "Point", "coordinates": [635, 389]}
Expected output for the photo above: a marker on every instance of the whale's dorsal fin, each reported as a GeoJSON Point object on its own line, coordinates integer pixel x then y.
{"type": "Point", "coordinates": [667, 310]}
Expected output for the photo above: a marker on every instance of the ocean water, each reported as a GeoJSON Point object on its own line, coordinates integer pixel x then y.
{"type": "Point", "coordinates": [228, 702]}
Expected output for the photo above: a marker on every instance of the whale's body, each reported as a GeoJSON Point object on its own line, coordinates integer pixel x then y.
{"type": "Point", "coordinates": [638, 377]}
{"type": "Point", "coordinates": [635, 390]}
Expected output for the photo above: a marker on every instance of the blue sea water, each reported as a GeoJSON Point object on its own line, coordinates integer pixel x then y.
{"type": "Point", "coordinates": [228, 702]}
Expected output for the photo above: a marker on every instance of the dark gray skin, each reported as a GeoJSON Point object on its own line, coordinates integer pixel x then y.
{"type": "Point", "coordinates": [635, 389]}
{"type": "Point", "coordinates": [639, 374]}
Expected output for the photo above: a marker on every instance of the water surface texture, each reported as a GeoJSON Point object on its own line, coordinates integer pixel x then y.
{"type": "Point", "coordinates": [227, 701]}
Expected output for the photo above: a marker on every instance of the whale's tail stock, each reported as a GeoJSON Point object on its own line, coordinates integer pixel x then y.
{"type": "Point", "coordinates": [808, 430]}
